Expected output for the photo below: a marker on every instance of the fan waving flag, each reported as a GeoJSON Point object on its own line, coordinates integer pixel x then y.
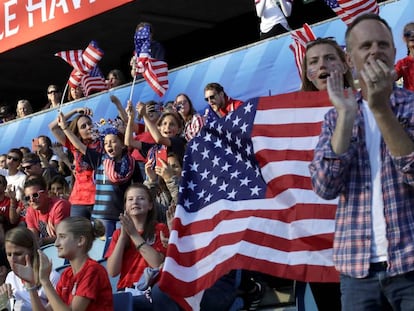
{"type": "Point", "coordinates": [154, 71]}
{"type": "Point", "coordinates": [246, 200]}
{"type": "Point", "coordinates": [93, 82]}
{"type": "Point", "coordinates": [84, 65]}
{"type": "Point", "coordinates": [300, 38]}
{"type": "Point", "coordinates": [348, 10]}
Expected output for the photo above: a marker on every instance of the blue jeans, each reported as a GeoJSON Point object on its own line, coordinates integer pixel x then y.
{"type": "Point", "coordinates": [110, 226]}
{"type": "Point", "coordinates": [378, 291]}
{"type": "Point", "coordinates": [219, 297]}
{"type": "Point", "coordinates": [81, 210]}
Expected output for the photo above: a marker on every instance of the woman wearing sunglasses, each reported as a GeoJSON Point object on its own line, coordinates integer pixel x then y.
{"type": "Point", "coordinates": [82, 196]}
{"type": "Point", "coordinates": [324, 56]}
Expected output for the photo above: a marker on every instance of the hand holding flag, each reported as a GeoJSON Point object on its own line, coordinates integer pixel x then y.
{"type": "Point", "coordinates": [154, 71]}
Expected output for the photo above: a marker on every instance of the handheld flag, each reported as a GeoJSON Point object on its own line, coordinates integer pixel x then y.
{"type": "Point", "coordinates": [348, 10]}
{"type": "Point", "coordinates": [84, 65]}
{"type": "Point", "coordinates": [154, 71]}
{"type": "Point", "coordinates": [300, 38]}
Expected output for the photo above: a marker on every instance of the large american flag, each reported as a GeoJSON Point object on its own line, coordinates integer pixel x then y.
{"type": "Point", "coordinates": [246, 200]}
{"type": "Point", "coordinates": [85, 70]}
{"type": "Point", "coordinates": [300, 38]}
{"type": "Point", "coordinates": [348, 10]}
{"type": "Point", "coordinates": [154, 71]}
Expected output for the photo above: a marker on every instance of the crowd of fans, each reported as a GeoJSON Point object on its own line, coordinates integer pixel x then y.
{"type": "Point", "coordinates": [122, 175]}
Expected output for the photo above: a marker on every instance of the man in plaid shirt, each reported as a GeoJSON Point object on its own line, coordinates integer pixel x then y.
{"type": "Point", "coordinates": [365, 155]}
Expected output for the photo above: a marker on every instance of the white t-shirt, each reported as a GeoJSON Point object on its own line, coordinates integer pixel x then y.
{"type": "Point", "coordinates": [22, 296]}
{"type": "Point", "coordinates": [16, 180]}
{"type": "Point", "coordinates": [270, 15]}
{"type": "Point", "coordinates": [379, 246]}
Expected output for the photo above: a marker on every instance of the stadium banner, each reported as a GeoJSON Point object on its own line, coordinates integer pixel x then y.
{"type": "Point", "coordinates": [25, 21]}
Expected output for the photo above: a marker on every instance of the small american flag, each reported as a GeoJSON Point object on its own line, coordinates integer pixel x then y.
{"type": "Point", "coordinates": [82, 61]}
{"type": "Point", "coordinates": [246, 200]}
{"type": "Point", "coordinates": [154, 71]}
{"type": "Point", "coordinates": [348, 10]}
{"type": "Point", "coordinates": [93, 82]}
{"type": "Point", "coordinates": [300, 38]}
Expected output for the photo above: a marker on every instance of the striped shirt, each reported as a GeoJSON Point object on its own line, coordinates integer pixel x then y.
{"type": "Point", "coordinates": [349, 176]}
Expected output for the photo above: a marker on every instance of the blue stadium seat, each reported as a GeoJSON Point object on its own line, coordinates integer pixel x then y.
{"type": "Point", "coordinates": [51, 252]}
{"type": "Point", "coordinates": [97, 250]}
{"type": "Point", "coordinates": [123, 301]}
{"type": "Point", "coordinates": [113, 280]}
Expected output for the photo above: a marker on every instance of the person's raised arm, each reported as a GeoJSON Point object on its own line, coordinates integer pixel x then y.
{"type": "Point", "coordinates": [114, 263]}
{"type": "Point", "coordinates": [286, 6]}
{"type": "Point", "coordinates": [379, 78]}
{"type": "Point", "coordinates": [55, 301]}
{"type": "Point", "coordinates": [129, 139]}
{"type": "Point", "coordinates": [152, 127]}
{"type": "Point", "coordinates": [346, 107]}
{"type": "Point", "coordinates": [56, 130]}
{"type": "Point", "coordinates": [76, 142]}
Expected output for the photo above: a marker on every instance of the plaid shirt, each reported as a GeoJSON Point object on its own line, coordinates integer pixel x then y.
{"type": "Point", "coordinates": [349, 176]}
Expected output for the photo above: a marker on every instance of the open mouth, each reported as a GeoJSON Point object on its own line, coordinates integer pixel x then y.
{"type": "Point", "coordinates": [324, 75]}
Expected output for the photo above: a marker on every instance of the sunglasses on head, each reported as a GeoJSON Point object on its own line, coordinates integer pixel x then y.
{"type": "Point", "coordinates": [211, 97]}
{"type": "Point", "coordinates": [52, 92]}
{"type": "Point", "coordinates": [409, 33]}
{"type": "Point", "coordinates": [34, 197]}
{"type": "Point", "coordinates": [320, 41]}
{"type": "Point", "coordinates": [13, 158]}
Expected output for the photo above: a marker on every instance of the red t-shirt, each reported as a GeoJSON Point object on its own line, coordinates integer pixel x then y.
{"type": "Point", "coordinates": [230, 105]}
{"type": "Point", "coordinates": [405, 69]}
{"type": "Point", "coordinates": [83, 190]}
{"type": "Point", "coordinates": [91, 282]}
{"type": "Point", "coordinates": [5, 208]}
{"type": "Point", "coordinates": [144, 137]}
{"type": "Point", "coordinates": [133, 264]}
{"type": "Point", "coordinates": [46, 223]}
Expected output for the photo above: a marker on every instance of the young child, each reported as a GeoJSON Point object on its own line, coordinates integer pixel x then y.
{"type": "Point", "coordinates": [163, 180]}
{"type": "Point", "coordinates": [58, 187]}
{"type": "Point", "coordinates": [137, 244]}
{"type": "Point", "coordinates": [167, 136]}
{"type": "Point", "coordinates": [115, 169]}
{"type": "Point", "coordinates": [84, 285]}
{"type": "Point", "coordinates": [405, 66]}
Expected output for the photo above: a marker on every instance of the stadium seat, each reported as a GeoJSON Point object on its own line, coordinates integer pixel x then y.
{"type": "Point", "coordinates": [123, 301]}
{"type": "Point", "coordinates": [61, 268]}
{"type": "Point", "coordinates": [113, 280]}
{"type": "Point", "coordinates": [97, 250]}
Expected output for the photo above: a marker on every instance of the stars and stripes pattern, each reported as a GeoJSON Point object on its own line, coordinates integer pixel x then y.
{"type": "Point", "coordinates": [246, 200]}
{"type": "Point", "coordinates": [154, 71]}
{"type": "Point", "coordinates": [85, 70]}
{"type": "Point", "coordinates": [93, 82]}
{"type": "Point", "coordinates": [300, 38]}
{"type": "Point", "coordinates": [348, 10]}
